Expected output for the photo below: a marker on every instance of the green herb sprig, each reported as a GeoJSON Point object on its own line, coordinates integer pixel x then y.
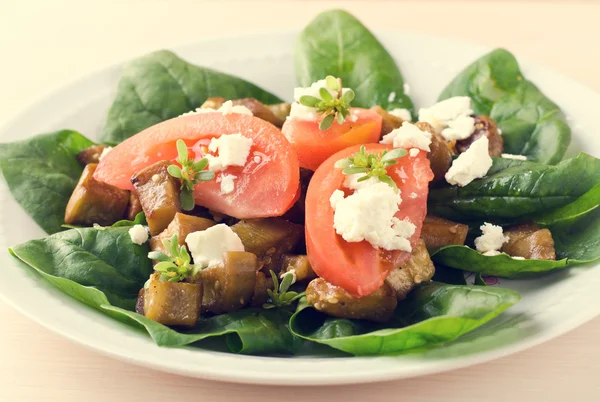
{"type": "Point", "coordinates": [331, 106]}
{"type": "Point", "coordinates": [371, 164]}
{"type": "Point", "coordinates": [190, 173]}
{"type": "Point", "coordinates": [175, 266]}
{"type": "Point", "coordinates": [280, 296]}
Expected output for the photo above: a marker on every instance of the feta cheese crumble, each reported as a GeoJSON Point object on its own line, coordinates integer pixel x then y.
{"type": "Point", "coordinates": [227, 185]}
{"type": "Point", "coordinates": [301, 112]}
{"type": "Point", "coordinates": [226, 108]}
{"type": "Point", "coordinates": [208, 246]}
{"type": "Point", "coordinates": [392, 96]}
{"type": "Point", "coordinates": [451, 118]}
{"type": "Point", "coordinates": [233, 150]}
{"type": "Point", "coordinates": [517, 157]}
{"type": "Point", "coordinates": [403, 114]}
{"type": "Point", "coordinates": [104, 152]}
{"type": "Point", "coordinates": [408, 136]}
{"type": "Point", "coordinates": [472, 164]}
{"type": "Point", "coordinates": [406, 88]}
{"type": "Point", "coordinates": [491, 240]}
{"type": "Point", "coordinates": [414, 152]}
{"type": "Point", "coordinates": [356, 219]}
{"type": "Point", "coordinates": [138, 234]}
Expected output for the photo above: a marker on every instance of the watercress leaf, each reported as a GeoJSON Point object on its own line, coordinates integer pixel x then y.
{"type": "Point", "coordinates": [160, 86]}
{"type": "Point", "coordinates": [205, 175]}
{"type": "Point", "coordinates": [174, 171]}
{"type": "Point", "coordinates": [182, 150]}
{"type": "Point", "coordinates": [165, 266]}
{"type": "Point", "coordinates": [337, 43]}
{"type": "Point", "coordinates": [332, 83]}
{"type": "Point", "coordinates": [355, 170]}
{"type": "Point", "coordinates": [394, 154]}
{"type": "Point", "coordinates": [340, 117]}
{"type": "Point", "coordinates": [309, 101]}
{"type": "Point", "coordinates": [531, 124]}
{"type": "Point", "coordinates": [187, 200]}
{"type": "Point", "coordinates": [388, 180]}
{"type": "Point", "coordinates": [286, 282]}
{"type": "Point", "coordinates": [326, 122]}
{"type": "Point", "coordinates": [343, 163]}
{"type": "Point", "coordinates": [200, 165]}
{"type": "Point", "coordinates": [514, 189]}
{"type": "Point", "coordinates": [348, 96]}
{"type": "Point", "coordinates": [433, 313]}
{"type": "Point", "coordinates": [275, 283]}
{"type": "Point", "coordinates": [325, 94]}
{"type": "Point", "coordinates": [158, 256]}
{"type": "Point", "coordinates": [41, 173]}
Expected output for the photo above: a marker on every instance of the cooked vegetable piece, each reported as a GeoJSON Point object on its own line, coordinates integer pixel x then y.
{"type": "Point", "coordinates": [95, 202]}
{"type": "Point", "coordinates": [90, 154]}
{"type": "Point", "coordinates": [296, 213]}
{"type": "Point", "coordinates": [134, 207]}
{"type": "Point", "coordinates": [300, 265]}
{"type": "Point", "coordinates": [181, 225]}
{"type": "Point", "coordinates": [389, 122]}
{"type": "Point", "coordinates": [172, 303]}
{"type": "Point", "coordinates": [484, 126]}
{"type": "Point", "coordinates": [335, 301]}
{"type": "Point", "coordinates": [530, 242]}
{"type": "Point", "coordinates": [139, 304]}
{"type": "Point", "coordinates": [230, 285]}
{"type": "Point", "coordinates": [419, 268]}
{"type": "Point", "coordinates": [440, 156]}
{"type": "Point", "coordinates": [438, 232]}
{"type": "Point", "coordinates": [261, 296]}
{"type": "Point", "coordinates": [281, 110]}
{"type": "Point", "coordinates": [158, 192]}
{"type": "Point", "coordinates": [268, 239]}
{"type": "Point", "coordinates": [257, 108]}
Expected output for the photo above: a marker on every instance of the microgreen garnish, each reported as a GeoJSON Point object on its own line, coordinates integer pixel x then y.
{"type": "Point", "coordinates": [280, 296]}
{"type": "Point", "coordinates": [332, 107]}
{"type": "Point", "coordinates": [176, 265]}
{"type": "Point", "coordinates": [372, 165]}
{"type": "Point", "coordinates": [190, 173]}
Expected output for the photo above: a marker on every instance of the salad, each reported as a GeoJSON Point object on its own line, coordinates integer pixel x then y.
{"type": "Point", "coordinates": [210, 208]}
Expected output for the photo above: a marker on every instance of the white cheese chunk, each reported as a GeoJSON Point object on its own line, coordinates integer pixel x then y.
{"type": "Point", "coordinates": [301, 112]}
{"type": "Point", "coordinates": [406, 88]}
{"type": "Point", "coordinates": [408, 136]}
{"type": "Point", "coordinates": [227, 184]}
{"type": "Point", "coordinates": [226, 108]}
{"type": "Point", "coordinates": [356, 220]}
{"type": "Point", "coordinates": [450, 117]}
{"type": "Point", "coordinates": [233, 149]}
{"type": "Point", "coordinates": [105, 151]}
{"type": "Point", "coordinates": [492, 253]}
{"type": "Point", "coordinates": [472, 164]}
{"type": "Point", "coordinates": [460, 128]}
{"type": "Point", "coordinates": [517, 257]}
{"type": "Point", "coordinates": [351, 181]}
{"type": "Point", "coordinates": [138, 234]}
{"type": "Point", "coordinates": [491, 240]}
{"type": "Point", "coordinates": [214, 163]}
{"type": "Point", "coordinates": [414, 152]}
{"type": "Point", "coordinates": [391, 96]}
{"type": "Point", "coordinates": [517, 157]}
{"type": "Point", "coordinates": [404, 114]}
{"type": "Point", "coordinates": [208, 246]}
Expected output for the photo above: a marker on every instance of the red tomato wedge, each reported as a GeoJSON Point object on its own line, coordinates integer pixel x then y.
{"type": "Point", "coordinates": [358, 267]}
{"type": "Point", "coordinates": [314, 146]}
{"type": "Point", "coordinates": [266, 186]}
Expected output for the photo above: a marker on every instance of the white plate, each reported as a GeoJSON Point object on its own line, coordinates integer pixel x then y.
{"type": "Point", "coordinates": [551, 305]}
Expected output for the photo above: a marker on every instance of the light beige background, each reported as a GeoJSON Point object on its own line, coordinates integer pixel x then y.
{"type": "Point", "coordinates": [47, 43]}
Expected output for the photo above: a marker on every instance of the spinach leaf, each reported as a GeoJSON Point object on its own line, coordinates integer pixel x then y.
{"type": "Point", "coordinates": [160, 86]}
{"type": "Point", "coordinates": [531, 124]}
{"type": "Point", "coordinates": [584, 205]}
{"type": "Point", "coordinates": [479, 281]}
{"type": "Point", "coordinates": [41, 173]}
{"type": "Point", "coordinates": [451, 276]}
{"type": "Point", "coordinates": [140, 219]}
{"type": "Point", "coordinates": [516, 189]}
{"type": "Point", "coordinates": [578, 240]}
{"type": "Point", "coordinates": [336, 43]}
{"type": "Point", "coordinates": [433, 313]}
{"type": "Point", "coordinates": [104, 258]}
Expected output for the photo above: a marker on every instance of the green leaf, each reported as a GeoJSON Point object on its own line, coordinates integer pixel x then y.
{"type": "Point", "coordinates": [340, 117]}
{"type": "Point", "coordinates": [479, 281]}
{"type": "Point", "coordinates": [187, 200]}
{"type": "Point", "coordinates": [394, 154]}
{"type": "Point", "coordinates": [182, 150]}
{"type": "Point", "coordinates": [584, 205]}
{"type": "Point", "coordinates": [165, 266]}
{"type": "Point", "coordinates": [336, 43]}
{"type": "Point", "coordinates": [41, 173]}
{"type": "Point", "coordinates": [332, 83]}
{"type": "Point", "coordinates": [205, 175]}
{"type": "Point", "coordinates": [514, 190]}
{"type": "Point", "coordinates": [325, 95]}
{"type": "Point", "coordinates": [448, 275]}
{"type": "Point", "coordinates": [140, 219]}
{"type": "Point", "coordinates": [433, 313]}
{"type": "Point", "coordinates": [200, 165]}
{"type": "Point", "coordinates": [158, 256]}
{"type": "Point", "coordinates": [348, 97]}
{"type": "Point", "coordinates": [354, 170]}
{"type": "Point", "coordinates": [326, 122]}
{"type": "Point", "coordinates": [309, 101]}
{"type": "Point", "coordinates": [174, 171]}
{"type": "Point", "coordinates": [160, 86]}
{"type": "Point", "coordinates": [343, 163]}
{"type": "Point", "coordinates": [531, 124]}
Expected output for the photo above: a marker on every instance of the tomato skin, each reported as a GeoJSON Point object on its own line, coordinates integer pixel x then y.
{"type": "Point", "coordinates": [314, 146]}
{"type": "Point", "coordinates": [263, 188]}
{"type": "Point", "coordinates": [360, 268]}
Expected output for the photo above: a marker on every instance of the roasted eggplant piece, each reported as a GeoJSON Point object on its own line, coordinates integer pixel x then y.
{"type": "Point", "coordinates": [181, 225]}
{"type": "Point", "coordinates": [335, 301]}
{"type": "Point", "coordinates": [258, 109]}
{"type": "Point", "coordinates": [90, 155]}
{"type": "Point", "coordinates": [389, 122]}
{"type": "Point", "coordinates": [419, 268]}
{"type": "Point", "coordinates": [158, 192]}
{"type": "Point", "coordinates": [281, 110]}
{"type": "Point", "coordinates": [261, 296]}
{"type": "Point", "coordinates": [440, 156]}
{"type": "Point", "coordinates": [298, 264]}
{"type": "Point", "coordinates": [296, 213]}
{"type": "Point", "coordinates": [530, 242]}
{"type": "Point", "coordinates": [93, 201]}
{"type": "Point", "coordinates": [230, 285]}
{"type": "Point", "coordinates": [484, 125]}
{"type": "Point", "coordinates": [134, 207]}
{"type": "Point", "coordinates": [438, 232]}
{"type": "Point", "coordinates": [172, 303]}
{"type": "Point", "coordinates": [269, 239]}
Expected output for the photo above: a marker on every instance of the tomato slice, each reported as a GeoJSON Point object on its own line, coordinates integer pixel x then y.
{"type": "Point", "coordinates": [266, 186]}
{"type": "Point", "coordinates": [358, 267]}
{"type": "Point", "coordinates": [314, 146]}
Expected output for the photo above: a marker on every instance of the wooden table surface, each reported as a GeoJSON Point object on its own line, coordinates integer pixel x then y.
{"type": "Point", "coordinates": [45, 44]}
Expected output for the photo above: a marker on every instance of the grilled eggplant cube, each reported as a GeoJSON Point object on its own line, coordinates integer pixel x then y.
{"type": "Point", "coordinates": [438, 232]}
{"type": "Point", "coordinates": [261, 296]}
{"type": "Point", "coordinates": [335, 301]}
{"type": "Point", "coordinates": [134, 207]}
{"type": "Point", "coordinates": [172, 303]}
{"type": "Point", "coordinates": [300, 265]}
{"type": "Point", "coordinates": [269, 239]}
{"type": "Point", "coordinates": [484, 126]}
{"type": "Point", "coordinates": [230, 285]}
{"type": "Point", "coordinates": [389, 122]}
{"type": "Point", "coordinates": [419, 268]}
{"type": "Point", "coordinates": [530, 242]}
{"type": "Point", "coordinates": [158, 192]}
{"type": "Point", "coordinates": [274, 114]}
{"type": "Point", "coordinates": [90, 155]}
{"type": "Point", "coordinates": [181, 225]}
{"type": "Point", "coordinates": [93, 201]}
